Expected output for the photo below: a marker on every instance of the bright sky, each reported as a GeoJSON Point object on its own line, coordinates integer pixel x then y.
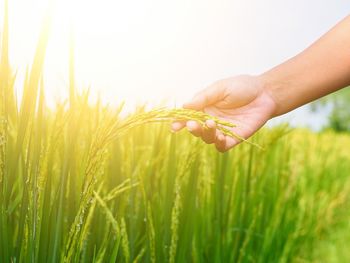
{"type": "Point", "coordinates": [154, 49]}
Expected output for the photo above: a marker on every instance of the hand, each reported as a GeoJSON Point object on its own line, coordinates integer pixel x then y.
{"type": "Point", "coordinates": [242, 100]}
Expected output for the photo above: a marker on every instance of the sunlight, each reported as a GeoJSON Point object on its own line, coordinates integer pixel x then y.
{"type": "Point", "coordinates": [95, 182]}
{"type": "Point", "coordinates": [114, 46]}
{"type": "Point", "coordinates": [129, 50]}
{"type": "Point", "coordinates": [157, 49]}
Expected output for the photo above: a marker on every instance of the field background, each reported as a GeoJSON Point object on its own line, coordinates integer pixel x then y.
{"type": "Point", "coordinates": [76, 185]}
{"type": "Point", "coordinates": [71, 194]}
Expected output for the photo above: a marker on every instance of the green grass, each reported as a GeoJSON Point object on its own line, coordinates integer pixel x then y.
{"type": "Point", "coordinates": [80, 184]}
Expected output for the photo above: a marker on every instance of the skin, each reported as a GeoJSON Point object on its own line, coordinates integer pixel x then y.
{"type": "Point", "coordinates": [250, 101]}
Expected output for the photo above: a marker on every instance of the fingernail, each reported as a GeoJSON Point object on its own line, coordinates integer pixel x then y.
{"type": "Point", "coordinates": [210, 123]}
{"type": "Point", "coordinates": [191, 125]}
{"type": "Point", "coordinates": [174, 127]}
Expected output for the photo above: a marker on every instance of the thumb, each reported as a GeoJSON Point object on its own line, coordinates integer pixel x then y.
{"type": "Point", "coordinates": [206, 97]}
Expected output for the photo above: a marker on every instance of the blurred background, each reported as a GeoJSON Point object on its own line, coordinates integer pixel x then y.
{"type": "Point", "coordinates": [159, 50]}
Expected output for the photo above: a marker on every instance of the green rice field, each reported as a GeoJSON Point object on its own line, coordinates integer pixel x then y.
{"type": "Point", "coordinates": [81, 183]}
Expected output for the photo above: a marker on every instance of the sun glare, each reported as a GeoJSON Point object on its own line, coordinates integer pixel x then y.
{"type": "Point", "coordinates": [134, 50]}
{"type": "Point", "coordinates": [119, 46]}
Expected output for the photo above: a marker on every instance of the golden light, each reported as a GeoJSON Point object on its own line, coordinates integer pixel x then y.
{"type": "Point", "coordinates": [130, 50]}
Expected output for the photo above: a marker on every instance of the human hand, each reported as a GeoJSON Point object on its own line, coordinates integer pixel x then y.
{"type": "Point", "coordinates": [242, 100]}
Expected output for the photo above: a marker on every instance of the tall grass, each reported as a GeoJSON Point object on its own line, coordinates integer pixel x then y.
{"type": "Point", "coordinates": [72, 189]}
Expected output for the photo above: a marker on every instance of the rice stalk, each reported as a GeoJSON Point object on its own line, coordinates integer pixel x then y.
{"type": "Point", "coordinates": [151, 234]}
{"type": "Point", "coordinates": [175, 220]}
{"type": "Point", "coordinates": [109, 215]}
{"type": "Point", "coordinates": [170, 115]}
{"type": "Point", "coordinates": [119, 190]}
{"type": "Point", "coordinates": [140, 256]}
{"type": "Point", "coordinates": [187, 203]}
{"type": "Point", "coordinates": [125, 240]}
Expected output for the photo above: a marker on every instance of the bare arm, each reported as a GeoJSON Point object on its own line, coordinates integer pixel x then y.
{"type": "Point", "coordinates": [321, 69]}
{"type": "Point", "coordinates": [250, 101]}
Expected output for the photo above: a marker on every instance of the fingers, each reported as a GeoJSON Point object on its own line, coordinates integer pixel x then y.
{"type": "Point", "coordinates": [211, 135]}
{"type": "Point", "coordinates": [231, 142]}
{"type": "Point", "coordinates": [207, 97]}
{"type": "Point", "coordinates": [177, 126]}
{"type": "Point", "coordinates": [195, 128]}
{"type": "Point", "coordinates": [209, 132]}
{"type": "Point", "coordinates": [225, 143]}
{"type": "Point", "coordinates": [192, 126]}
{"type": "Point", "coordinates": [220, 142]}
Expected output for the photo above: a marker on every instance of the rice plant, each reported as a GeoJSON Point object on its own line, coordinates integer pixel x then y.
{"type": "Point", "coordinates": [79, 183]}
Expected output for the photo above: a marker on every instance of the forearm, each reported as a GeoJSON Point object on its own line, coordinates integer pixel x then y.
{"type": "Point", "coordinates": [321, 69]}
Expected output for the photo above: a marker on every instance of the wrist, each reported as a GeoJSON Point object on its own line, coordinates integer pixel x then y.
{"type": "Point", "coordinates": [276, 91]}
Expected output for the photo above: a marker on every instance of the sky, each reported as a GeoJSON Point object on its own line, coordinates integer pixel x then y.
{"type": "Point", "coordinates": [152, 50]}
